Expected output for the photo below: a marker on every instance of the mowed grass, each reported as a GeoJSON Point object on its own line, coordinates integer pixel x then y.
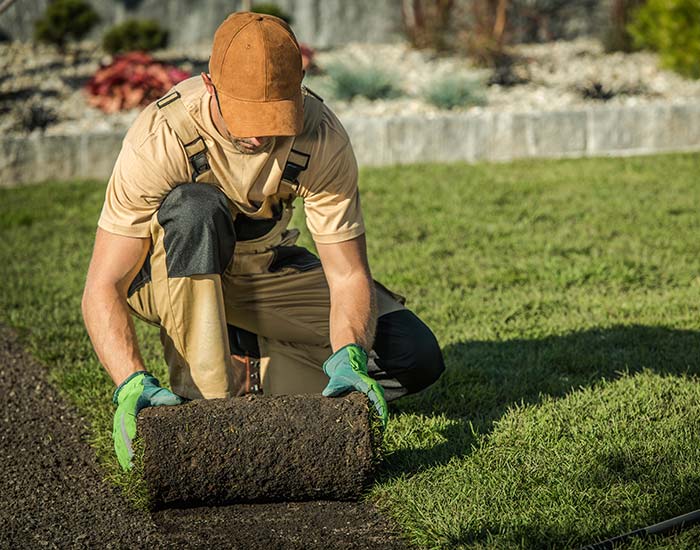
{"type": "Point", "coordinates": [565, 296]}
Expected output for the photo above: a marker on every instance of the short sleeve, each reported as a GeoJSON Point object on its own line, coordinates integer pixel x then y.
{"type": "Point", "coordinates": [134, 193]}
{"type": "Point", "coordinates": [330, 191]}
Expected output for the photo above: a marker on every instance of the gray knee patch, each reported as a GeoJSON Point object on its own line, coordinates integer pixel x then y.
{"type": "Point", "coordinates": [199, 235]}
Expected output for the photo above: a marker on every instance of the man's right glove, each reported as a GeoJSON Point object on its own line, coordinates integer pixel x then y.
{"type": "Point", "coordinates": [137, 392]}
{"type": "Point", "coordinates": [347, 370]}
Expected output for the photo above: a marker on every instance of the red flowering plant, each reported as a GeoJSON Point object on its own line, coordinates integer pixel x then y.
{"type": "Point", "coordinates": [307, 58]}
{"type": "Point", "coordinates": [131, 80]}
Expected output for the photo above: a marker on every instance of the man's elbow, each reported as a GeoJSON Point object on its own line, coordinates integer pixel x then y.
{"type": "Point", "coordinates": [99, 292]}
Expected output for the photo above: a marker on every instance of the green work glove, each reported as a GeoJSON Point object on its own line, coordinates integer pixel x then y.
{"type": "Point", "coordinates": [137, 392]}
{"type": "Point", "coordinates": [347, 370]}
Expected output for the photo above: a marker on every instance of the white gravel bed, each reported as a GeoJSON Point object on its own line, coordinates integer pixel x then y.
{"type": "Point", "coordinates": [557, 72]}
{"type": "Point", "coordinates": [39, 77]}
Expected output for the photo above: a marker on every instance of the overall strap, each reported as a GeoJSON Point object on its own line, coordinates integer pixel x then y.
{"type": "Point", "coordinates": [179, 120]}
{"type": "Point", "coordinates": [299, 156]}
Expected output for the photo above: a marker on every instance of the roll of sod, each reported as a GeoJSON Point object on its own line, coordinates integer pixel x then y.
{"type": "Point", "coordinates": [258, 449]}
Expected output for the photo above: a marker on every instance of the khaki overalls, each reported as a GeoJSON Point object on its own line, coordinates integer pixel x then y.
{"type": "Point", "coordinates": [268, 286]}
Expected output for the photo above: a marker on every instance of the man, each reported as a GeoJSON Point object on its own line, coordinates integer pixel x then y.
{"type": "Point", "coordinates": [193, 238]}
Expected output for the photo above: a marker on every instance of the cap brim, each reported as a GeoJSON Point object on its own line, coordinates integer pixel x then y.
{"type": "Point", "coordinates": [284, 117]}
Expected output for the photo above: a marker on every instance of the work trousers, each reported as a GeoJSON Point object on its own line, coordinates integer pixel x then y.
{"type": "Point", "coordinates": [208, 276]}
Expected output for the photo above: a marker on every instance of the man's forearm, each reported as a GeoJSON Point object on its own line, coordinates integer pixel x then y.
{"type": "Point", "coordinates": [353, 317]}
{"type": "Point", "coordinates": [111, 330]}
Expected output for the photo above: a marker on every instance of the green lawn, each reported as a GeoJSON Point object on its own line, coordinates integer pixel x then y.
{"type": "Point", "coordinates": [565, 297]}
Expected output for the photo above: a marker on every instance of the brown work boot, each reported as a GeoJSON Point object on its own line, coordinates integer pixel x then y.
{"type": "Point", "coordinates": [247, 372]}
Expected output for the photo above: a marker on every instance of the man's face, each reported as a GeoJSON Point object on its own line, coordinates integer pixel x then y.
{"type": "Point", "coordinates": [245, 145]}
{"type": "Point", "coordinates": [251, 145]}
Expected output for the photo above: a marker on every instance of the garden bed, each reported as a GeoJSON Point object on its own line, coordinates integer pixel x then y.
{"type": "Point", "coordinates": [553, 77]}
{"type": "Point", "coordinates": [553, 114]}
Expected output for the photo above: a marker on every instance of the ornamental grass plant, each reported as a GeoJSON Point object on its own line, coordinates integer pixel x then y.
{"type": "Point", "coordinates": [455, 90]}
{"type": "Point", "coordinates": [349, 80]}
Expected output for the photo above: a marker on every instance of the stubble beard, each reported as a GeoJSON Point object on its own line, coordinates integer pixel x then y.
{"type": "Point", "coordinates": [240, 146]}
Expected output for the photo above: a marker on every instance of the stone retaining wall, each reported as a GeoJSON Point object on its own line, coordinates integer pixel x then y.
{"type": "Point", "coordinates": [380, 141]}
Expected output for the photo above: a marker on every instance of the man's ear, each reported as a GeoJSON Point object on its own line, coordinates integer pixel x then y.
{"type": "Point", "coordinates": [208, 83]}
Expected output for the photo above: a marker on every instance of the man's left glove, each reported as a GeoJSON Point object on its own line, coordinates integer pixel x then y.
{"type": "Point", "coordinates": [347, 370]}
{"type": "Point", "coordinates": [137, 392]}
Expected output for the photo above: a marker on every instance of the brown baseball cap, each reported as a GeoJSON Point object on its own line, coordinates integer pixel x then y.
{"type": "Point", "coordinates": [255, 66]}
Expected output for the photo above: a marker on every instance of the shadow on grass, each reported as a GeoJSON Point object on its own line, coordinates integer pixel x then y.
{"type": "Point", "coordinates": [484, 379]}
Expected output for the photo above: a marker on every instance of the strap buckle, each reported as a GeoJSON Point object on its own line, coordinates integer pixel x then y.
{"type": "Point", "coordinates": [168, 99]}
{"type": "Point", "coordinates": [295, 167]}
{"type": "Point", "coordinates": [198, 158]}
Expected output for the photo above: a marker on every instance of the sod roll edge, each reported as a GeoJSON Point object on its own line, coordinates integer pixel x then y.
{"type": "Point", "coordinates": [258, 449]}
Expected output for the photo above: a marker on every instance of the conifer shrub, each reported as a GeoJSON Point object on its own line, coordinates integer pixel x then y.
{"type": "Point", "coordinates": [65, 20]}
{"type": "Point", "coordinates": [132, 35]}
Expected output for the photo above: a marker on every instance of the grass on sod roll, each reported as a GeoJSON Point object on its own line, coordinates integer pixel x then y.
{"type": "Point", "coordinates": [565, 295]}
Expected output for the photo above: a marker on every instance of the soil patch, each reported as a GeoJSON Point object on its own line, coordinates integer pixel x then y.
{"type": "Point", "coordinates": [51, 488]}
{"type": "Point", "coordinates": [258, 449]}
{"type": "Point", "coordinates": [315, 525]}
{"type": "Point", "coordinates": [52, 494]}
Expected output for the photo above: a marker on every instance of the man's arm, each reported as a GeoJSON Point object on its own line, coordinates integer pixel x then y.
{"type": "Point", "coordinates": [353, 316]}
{"type": "Point", "coordinates": [353, 320]}
{"type": "Point", "coordinates": [115, 262]}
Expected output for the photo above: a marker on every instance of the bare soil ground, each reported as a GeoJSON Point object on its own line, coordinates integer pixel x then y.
{"type": "Point", "coordinates": [52, 492]}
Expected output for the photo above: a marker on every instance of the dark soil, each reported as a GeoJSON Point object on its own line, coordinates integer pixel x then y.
{"type": "Point", "coordinates": [258, 449]}
{"type": "Point", "coordinates": [52, 494]}
{"type": "Point", "coordinates": [316, 525]}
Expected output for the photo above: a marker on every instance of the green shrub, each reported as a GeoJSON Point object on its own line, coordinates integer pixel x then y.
{"type": "Point", "coordinates": [270, 8]}
{"type": "Point", "coordinates": [672, 28]}
{"type": "Point", "coordinates": [361, 80]}
{"type": "Point", "coordinates": [65, 20]}
{"type": "Point", "coordinates": [135, 35]}
{"type": "Point", "coordinates": [455, 91]}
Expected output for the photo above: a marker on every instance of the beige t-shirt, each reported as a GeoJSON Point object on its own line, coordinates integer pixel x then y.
{"type": "Point", "coordinates": [153, 161]}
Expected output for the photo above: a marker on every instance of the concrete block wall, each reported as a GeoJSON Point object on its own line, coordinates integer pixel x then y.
{"type": "Point", "coordinates": [493, 136]}
{"type": "Point", "coordinates": [39, 158]}
{"type": "Point", "coordinates": [381, 141]}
